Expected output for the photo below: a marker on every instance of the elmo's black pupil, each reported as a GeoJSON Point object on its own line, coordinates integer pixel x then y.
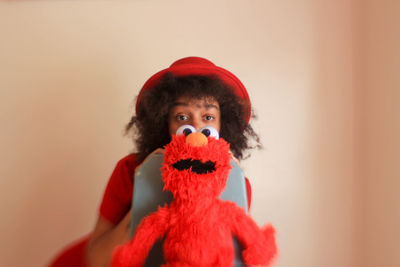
{"type": "Point", "coordinates": [187, 131]}
{"type": "Point", "coordinates": [206, 132]}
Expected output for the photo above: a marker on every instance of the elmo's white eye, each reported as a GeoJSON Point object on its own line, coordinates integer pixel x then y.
{"type": "Point", "coordinates": [185, 129]}
{"type": "Point", "coordinates": [210, 131]}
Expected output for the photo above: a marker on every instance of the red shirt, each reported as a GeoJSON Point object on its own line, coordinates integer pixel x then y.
{"type": "Point", "coordinates": [117, 197]}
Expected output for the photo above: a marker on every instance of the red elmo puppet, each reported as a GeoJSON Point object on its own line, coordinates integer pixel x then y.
{"type": "Point", "coordinates": [197, 225]}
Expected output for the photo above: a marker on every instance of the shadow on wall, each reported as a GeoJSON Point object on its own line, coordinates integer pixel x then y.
{"type": "Point", "coordinates": [57, 152]}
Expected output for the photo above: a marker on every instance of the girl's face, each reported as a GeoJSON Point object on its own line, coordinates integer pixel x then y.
{"type": "Point", "coordinates": [196, 112]}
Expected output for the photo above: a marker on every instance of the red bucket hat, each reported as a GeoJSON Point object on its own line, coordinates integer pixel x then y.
{"type": "Point", "coordinates": [200, 66]}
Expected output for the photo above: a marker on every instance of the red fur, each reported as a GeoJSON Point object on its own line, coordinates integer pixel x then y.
{"type": "Point", "coordinates": [198, 226]}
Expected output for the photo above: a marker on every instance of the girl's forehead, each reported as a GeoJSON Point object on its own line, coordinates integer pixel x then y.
{"type": "Point", "coordinates": [206, 101]}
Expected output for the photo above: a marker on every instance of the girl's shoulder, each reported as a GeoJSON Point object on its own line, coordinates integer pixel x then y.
{"type": "Point", "coordinates": [129, 159]}
{"type": "Point", "coordinates": [126, 166]}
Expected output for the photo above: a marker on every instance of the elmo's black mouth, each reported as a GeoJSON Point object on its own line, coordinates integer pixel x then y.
{"type": "Point", "coordinates": [195, 165]}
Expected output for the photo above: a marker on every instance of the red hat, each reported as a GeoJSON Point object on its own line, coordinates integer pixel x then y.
{"type": "Point", "coordinates": [200, 66]}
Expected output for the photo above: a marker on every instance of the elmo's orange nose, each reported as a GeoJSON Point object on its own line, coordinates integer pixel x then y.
{"type": "Point", "coordinates": [196, 139]}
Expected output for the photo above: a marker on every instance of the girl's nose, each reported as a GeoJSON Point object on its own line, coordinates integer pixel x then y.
{"type": "Point", "coordinates": [197, 123]}
{"type": "Point", "coordinates": [196, 139]}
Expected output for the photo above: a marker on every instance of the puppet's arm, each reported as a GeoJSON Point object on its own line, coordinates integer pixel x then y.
{"type": "Point", "coordinates": [259, 244]}
{"type": "Point", "coordinates": [150, 229]}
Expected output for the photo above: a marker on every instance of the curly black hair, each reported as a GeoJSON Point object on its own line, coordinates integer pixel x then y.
{"type": "Point", "coordinates": [150, 125]}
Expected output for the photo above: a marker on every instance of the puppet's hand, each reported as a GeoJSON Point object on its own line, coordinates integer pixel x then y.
{"type": "Point", "coordinates": [123, 256]}
{"type": "Point", "coordinates": [263, 250]}
{"type": "Point", "coordinates": [255, 256]}
{"type": "Point", "coordinates": [151, 228]}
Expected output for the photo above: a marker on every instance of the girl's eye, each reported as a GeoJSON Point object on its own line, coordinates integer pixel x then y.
{"type": "Point", "coordinates": [210, 131]}
{"type": "Point", "coordinates": [182, 117]}
{"type": "Point", "coordinates": [185, 129]}
{"type": "Point", "coordinates": [208, 118]}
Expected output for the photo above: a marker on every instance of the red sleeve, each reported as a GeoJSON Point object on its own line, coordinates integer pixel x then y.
{"type": "Point", "coordinates": [248, 189]}
{"type": "Point", "coordinates": [118, 193]}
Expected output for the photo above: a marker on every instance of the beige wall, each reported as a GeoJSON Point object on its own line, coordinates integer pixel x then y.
{"type": "Point", "coordinates": [69, 71]}
{"type": "Point", "coordinates": [381, 132]}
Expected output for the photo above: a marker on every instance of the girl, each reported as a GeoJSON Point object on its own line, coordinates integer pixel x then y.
{"type": "Point", "coordinates": [191, 91]}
